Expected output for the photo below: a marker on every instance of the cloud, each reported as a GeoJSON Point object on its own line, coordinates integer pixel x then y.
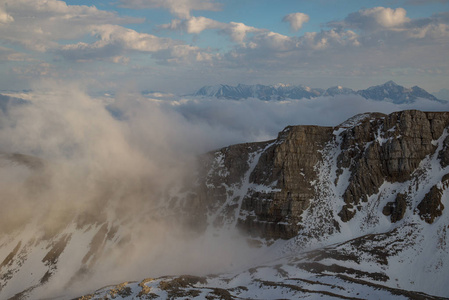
{"type": "Point", "coordinates": [310, 51]}
{"type": "Point", "coordinates": [256, 120]}
{"type": "Point", "coordinates": [116, 41]}
{"type": "Point", "coordinates": [92, 167]}
{"type": "Point", "coordinates": [239, 31]}
{"type": "Point", "coordinates": [391, 26]}
{"type": "Point", "coordinates": [329, 38]}
{"type": "Point", "coordinates": [7, 54]}
{"type": "Point", "coordinates": [296, 20]}
{"type": "Point", "coordinates": [52, 21]}
{"type": "Point", "coordinates": [193, 25]}
{"type": "Point", "coordinates": [375, 18]}
{"type": "Point", "coordinates": [186, 54]}
{"type": "Point", "coordinates": [5, 18]}
{"type": "Point", "coordinates": [370, 42]}
{"type": "Point", "coordinates": [236, 31]}
{"type": "Point", "coordinates": [180, 8]}
{"type": "Point", "coordinates": [432, 29]}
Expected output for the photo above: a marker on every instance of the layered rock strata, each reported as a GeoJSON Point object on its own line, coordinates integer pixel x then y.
{"type": "Point", "coordinates": [268, 188]}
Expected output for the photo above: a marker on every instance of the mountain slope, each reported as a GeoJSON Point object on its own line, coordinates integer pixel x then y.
{"type": "Point", "coordinates": [333, 211]}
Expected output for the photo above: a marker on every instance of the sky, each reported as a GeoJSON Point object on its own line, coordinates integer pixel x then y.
{"type": "Point", "coordinates": [179, 46]}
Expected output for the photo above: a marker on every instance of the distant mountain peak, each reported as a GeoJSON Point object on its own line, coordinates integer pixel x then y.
{"type": "Point", "coordinates": [259, 91]}
{"type": "Point", "coordinates": [281, 85]}
{"type": "Point", "coordinates": [390, 82]}
{"type": "Point", "coordinates": [395, 93]}
{"type": "Point", "coordinates": [389, 91]}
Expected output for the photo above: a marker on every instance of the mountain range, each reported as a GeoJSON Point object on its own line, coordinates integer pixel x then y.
{"type": "Point", "coordinates": [355, 211]}
{"type": "Point", "coordinates": [389, 91]}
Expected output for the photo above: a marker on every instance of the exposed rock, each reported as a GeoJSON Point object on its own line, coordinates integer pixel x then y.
{"type": "Point", "coordinates": [388, 148]}
{"type": "Point", "coordinates": [396, 209]}
{"type": "Point", "coordinates": [291, 172]}
{"type": "Point", "coordinates": [370, 149]}
{"type": "Point", "coordinates": [8, 260]}
{"type": "Point", "coordinates": [431, 207]}
{"type": "Point", "coordinates": [444, 153]}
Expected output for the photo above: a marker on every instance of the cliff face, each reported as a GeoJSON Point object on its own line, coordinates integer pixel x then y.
{"type": "Point", "coordinates": [331, 174]}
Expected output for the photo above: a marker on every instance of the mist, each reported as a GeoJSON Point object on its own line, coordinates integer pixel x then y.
{"type": "Point", "coordinates": [85, 161]}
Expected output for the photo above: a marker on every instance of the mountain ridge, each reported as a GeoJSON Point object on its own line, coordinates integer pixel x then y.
{"type": "Point", "coordinates": [387, 91]}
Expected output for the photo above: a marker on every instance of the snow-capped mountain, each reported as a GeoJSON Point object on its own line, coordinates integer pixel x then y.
{"type": "Point", "coordinates": [338, 90]}
{"type": "Point", "coordinates": [388, 91]}
{"type": "Point", "coordinates": [396, 93]}
{"type": "Point", "coordinates": [263, 92]}
{"type": "Point", "coordinates": [355, 211]}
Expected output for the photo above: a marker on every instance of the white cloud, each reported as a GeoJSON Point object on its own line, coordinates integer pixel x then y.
{"type": "Point", "coordinates": [433, 31]}
{"type": "Point", "coordinates": [130, 39]}
{"type": "Point", "coordinates": [5, 18]}
{"type": "Point", "coordinates": [388, 26]}
{"type": "Point", "coordinates": [239, 31]}
{"type": "Point", "coordinates": [375, 18]}
{"type": "Point", "coordinates": [273, 41]}
{"type": "Point", "coordinates": [52, 21]}
{"type": "Point", "coordinates": [180, 8]}
{"type": "Point", "coordinates": [115, 41]}
{"type": "Point", "coordinates": [296, 20]}
{"type": "Point", "coordinates": [384, 42]}
{"type": "Point", "coordinates": [236, 31]}
{"type": "Point", "coordinates": [185, 54]}
{"type": "Point", "coordinates": [193, 25]}
{"type": "Point", "coordinates": [330, 38]}
{"type": "Point", "coordinates": [255, 120]}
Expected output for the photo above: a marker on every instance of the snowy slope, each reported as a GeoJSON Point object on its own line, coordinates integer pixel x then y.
{"type": "Point", "coordinates": [324, 212]}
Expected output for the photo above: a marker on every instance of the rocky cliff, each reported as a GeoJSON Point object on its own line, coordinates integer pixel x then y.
{"type": "Point", "coordinates": [332, 173]}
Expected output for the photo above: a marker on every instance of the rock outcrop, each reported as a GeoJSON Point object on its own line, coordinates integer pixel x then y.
{"type": "Point", "coordinates": [267, 189]}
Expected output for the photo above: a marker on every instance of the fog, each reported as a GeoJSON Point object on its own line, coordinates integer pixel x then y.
{"type": "Point", "coordinates": [94, 160]}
